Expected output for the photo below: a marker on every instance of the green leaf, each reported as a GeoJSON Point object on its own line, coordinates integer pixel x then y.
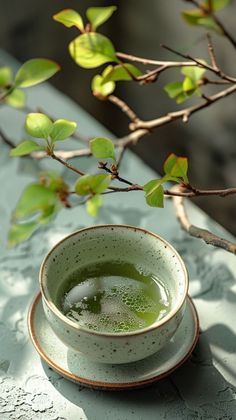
{"type": "Point", "coordinates": [182, 97]}
{"type": "Point", "coordinates": [48, 213]}
{"type": "Point", "coordinates": [121, 72]}
{"type": "Point", "coordinates": [21, 232]}
{"type": "Point", "coordinates": [25, 148]}
{"type": "Point", "coordinates": [5, 76]}
{"type": "Point", "coordinates": [216, 4]}
{"type": "Point", "coordinates": [82, 186]}
{"type": "Point", "coordinates": [196, 17]}
{"type": "Point", "coordinates": [35, 198]}
{"type": "Point", "coordinates": [35, 71]}
{"type": "Point", "coordinates": [193, 72]}
{"type": "Point", "coordinates": [93, 204]}
{"type": "Point", "coordinates": [69, 18]}
{"type": "Point", "coordinates": [92, 184]}
{"type": "Point", "coordinates": [189, 86]}
{"type": "Point", "coordinates": [175, 166]}
{"type": "Point", "coordinates": [209, 23]}
{"type": "Point", "coordinates": [154, 193]}
{"type": "Point", "coordinates": [98, 15]}
{"type": "Point", "coordinates": [16, 99]}
{"type": "Point", "coordinates": [91, 50]}
{"type": "Point", "coordinates": [102, 148]}
{"type": "Point", "coordinates": [100, 182]}
{"type": "Point", "coordinates": [62, 129]}
{"type": "Point", "coordinates": [173, 89]}
{"type": "Point", "coordinates": [192, 16]}
{"type": "Point", "coordinates": [38, 125]}
{"type": "Point", "coordinates": [102, 89]}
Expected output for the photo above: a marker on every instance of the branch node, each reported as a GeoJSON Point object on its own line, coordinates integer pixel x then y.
{"type": "Point", "coordinates": [186, 117]}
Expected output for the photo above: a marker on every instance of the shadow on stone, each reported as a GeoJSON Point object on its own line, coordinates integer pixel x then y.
{"type": "Point", "coordinates": [196, 390]}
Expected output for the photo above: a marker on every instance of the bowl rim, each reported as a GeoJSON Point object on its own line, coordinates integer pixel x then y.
{"type": "Point", "coordinates": [75, 325]}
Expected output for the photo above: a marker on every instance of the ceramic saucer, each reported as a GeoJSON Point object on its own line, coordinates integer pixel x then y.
{"type": "Point", "coordinates": [78, 368]}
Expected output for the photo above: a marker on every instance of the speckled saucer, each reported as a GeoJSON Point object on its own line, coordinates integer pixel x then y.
{"type": "Point", "coordinates": [78, 368]}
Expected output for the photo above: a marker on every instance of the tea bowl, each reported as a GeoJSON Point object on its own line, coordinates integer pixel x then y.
{"type": "Point", "coordinates": [111, 243]}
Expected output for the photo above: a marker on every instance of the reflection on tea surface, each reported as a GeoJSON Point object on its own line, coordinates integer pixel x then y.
{"type": "Point", "coordinates": [113, 297]}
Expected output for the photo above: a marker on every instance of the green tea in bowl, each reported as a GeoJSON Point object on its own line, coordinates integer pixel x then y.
{"type": "Point", "coordinates": [115, 293]}
{"type": "Point", "coordinates": [113, 297]}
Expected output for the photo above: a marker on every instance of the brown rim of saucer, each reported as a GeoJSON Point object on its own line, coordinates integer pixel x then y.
{"type": "Point", "coordinates": [106, 385]}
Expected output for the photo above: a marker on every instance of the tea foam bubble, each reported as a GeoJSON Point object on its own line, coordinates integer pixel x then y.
{"type": "Point", "coordinates": [114, 297]}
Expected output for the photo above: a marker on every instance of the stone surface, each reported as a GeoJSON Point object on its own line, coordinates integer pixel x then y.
{"type": "Point", "coordinates": [204, 388]}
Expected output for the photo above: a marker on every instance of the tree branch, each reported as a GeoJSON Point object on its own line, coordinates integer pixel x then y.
{"type": "Point", "coordinates": [151, 76]}
{"type": "Point", "coordinates": [63, 162]}
{"type": "Point", "coordinates": [121, 155]}
{"type": "Point", "coordinates": [212, 53]}
{"type": "Point", "coordinates": [207, 236]}
{"type": "Point", "coordinates": [177, 192]}
{"type": "Point", "coordinates": [184, 114]}
{"type": "Point", "coordinates": [63, 154]}
{"type": "Point", "coordinates": [206, 66]}
{"type": "Point", "coordinates": [146, 61]}
{"type": "Point", "coordinates": [124, 107]}
{"type": "Point", "coordinates": [210, 12]}
{"type": "Point", "coordinates": [6, 93]}
{"type": "Point", "coordinates": [224, 30]}
{"type": "Point", "coordinates": [6, 139]}
{"type": "Point", "coordinates": [114, 173]}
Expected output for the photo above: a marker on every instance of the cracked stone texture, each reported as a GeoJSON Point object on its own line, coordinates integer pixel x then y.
{"type": "Point", "coordinates": [204, 388]}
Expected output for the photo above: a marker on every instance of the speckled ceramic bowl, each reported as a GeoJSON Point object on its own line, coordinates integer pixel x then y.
{"type": "Point", "coordinates": [107, 243]}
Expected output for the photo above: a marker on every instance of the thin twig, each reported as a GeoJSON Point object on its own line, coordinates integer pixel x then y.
{"type": "Point", "coordinates": [183, 114]}
{"type": "Point", "coordinates": [212, 53]}
{"type": "Point", "coordinates": [114, 173]}
{"type": "Point", "coordinates": [63, 154]}
{"type": "Point", "coordinates": [123, 142]}
{"type": "Point", "coordinates": [6, 93]}
{"type": "Point", "coordinates": [121, 155]}
{"type": "Point", "coordinates": [142, 128]}
{"type": "Point", "coordinates": [132, 138]}
{"type": "Point", "coordinates": [206, 66]}
{"type": "Point", "coordinates": [209, 11]}
{"type": "Point", "coordinates": [151, 76]}
{"type": "Point", "coordinates": [177, 192]}
{"type": "Point", "coordinates": [133, 187]}
{"type": "Point", "coordinates": [194, 192]}
{"type": "Point", "coordinates": [206, 81]}
{"type": "Point", "coordinates": [146, 61]}
{"type": "Point", "coordinates": [209, 237]}
{"type": "Point", "coordinates": [63, 162]}
{"type": "Point", "coordinates": [6, 139]}
{"type": "Point", "coordinates": [224, 30]}
{"type": "Point", "coordinates": [124, 107]}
